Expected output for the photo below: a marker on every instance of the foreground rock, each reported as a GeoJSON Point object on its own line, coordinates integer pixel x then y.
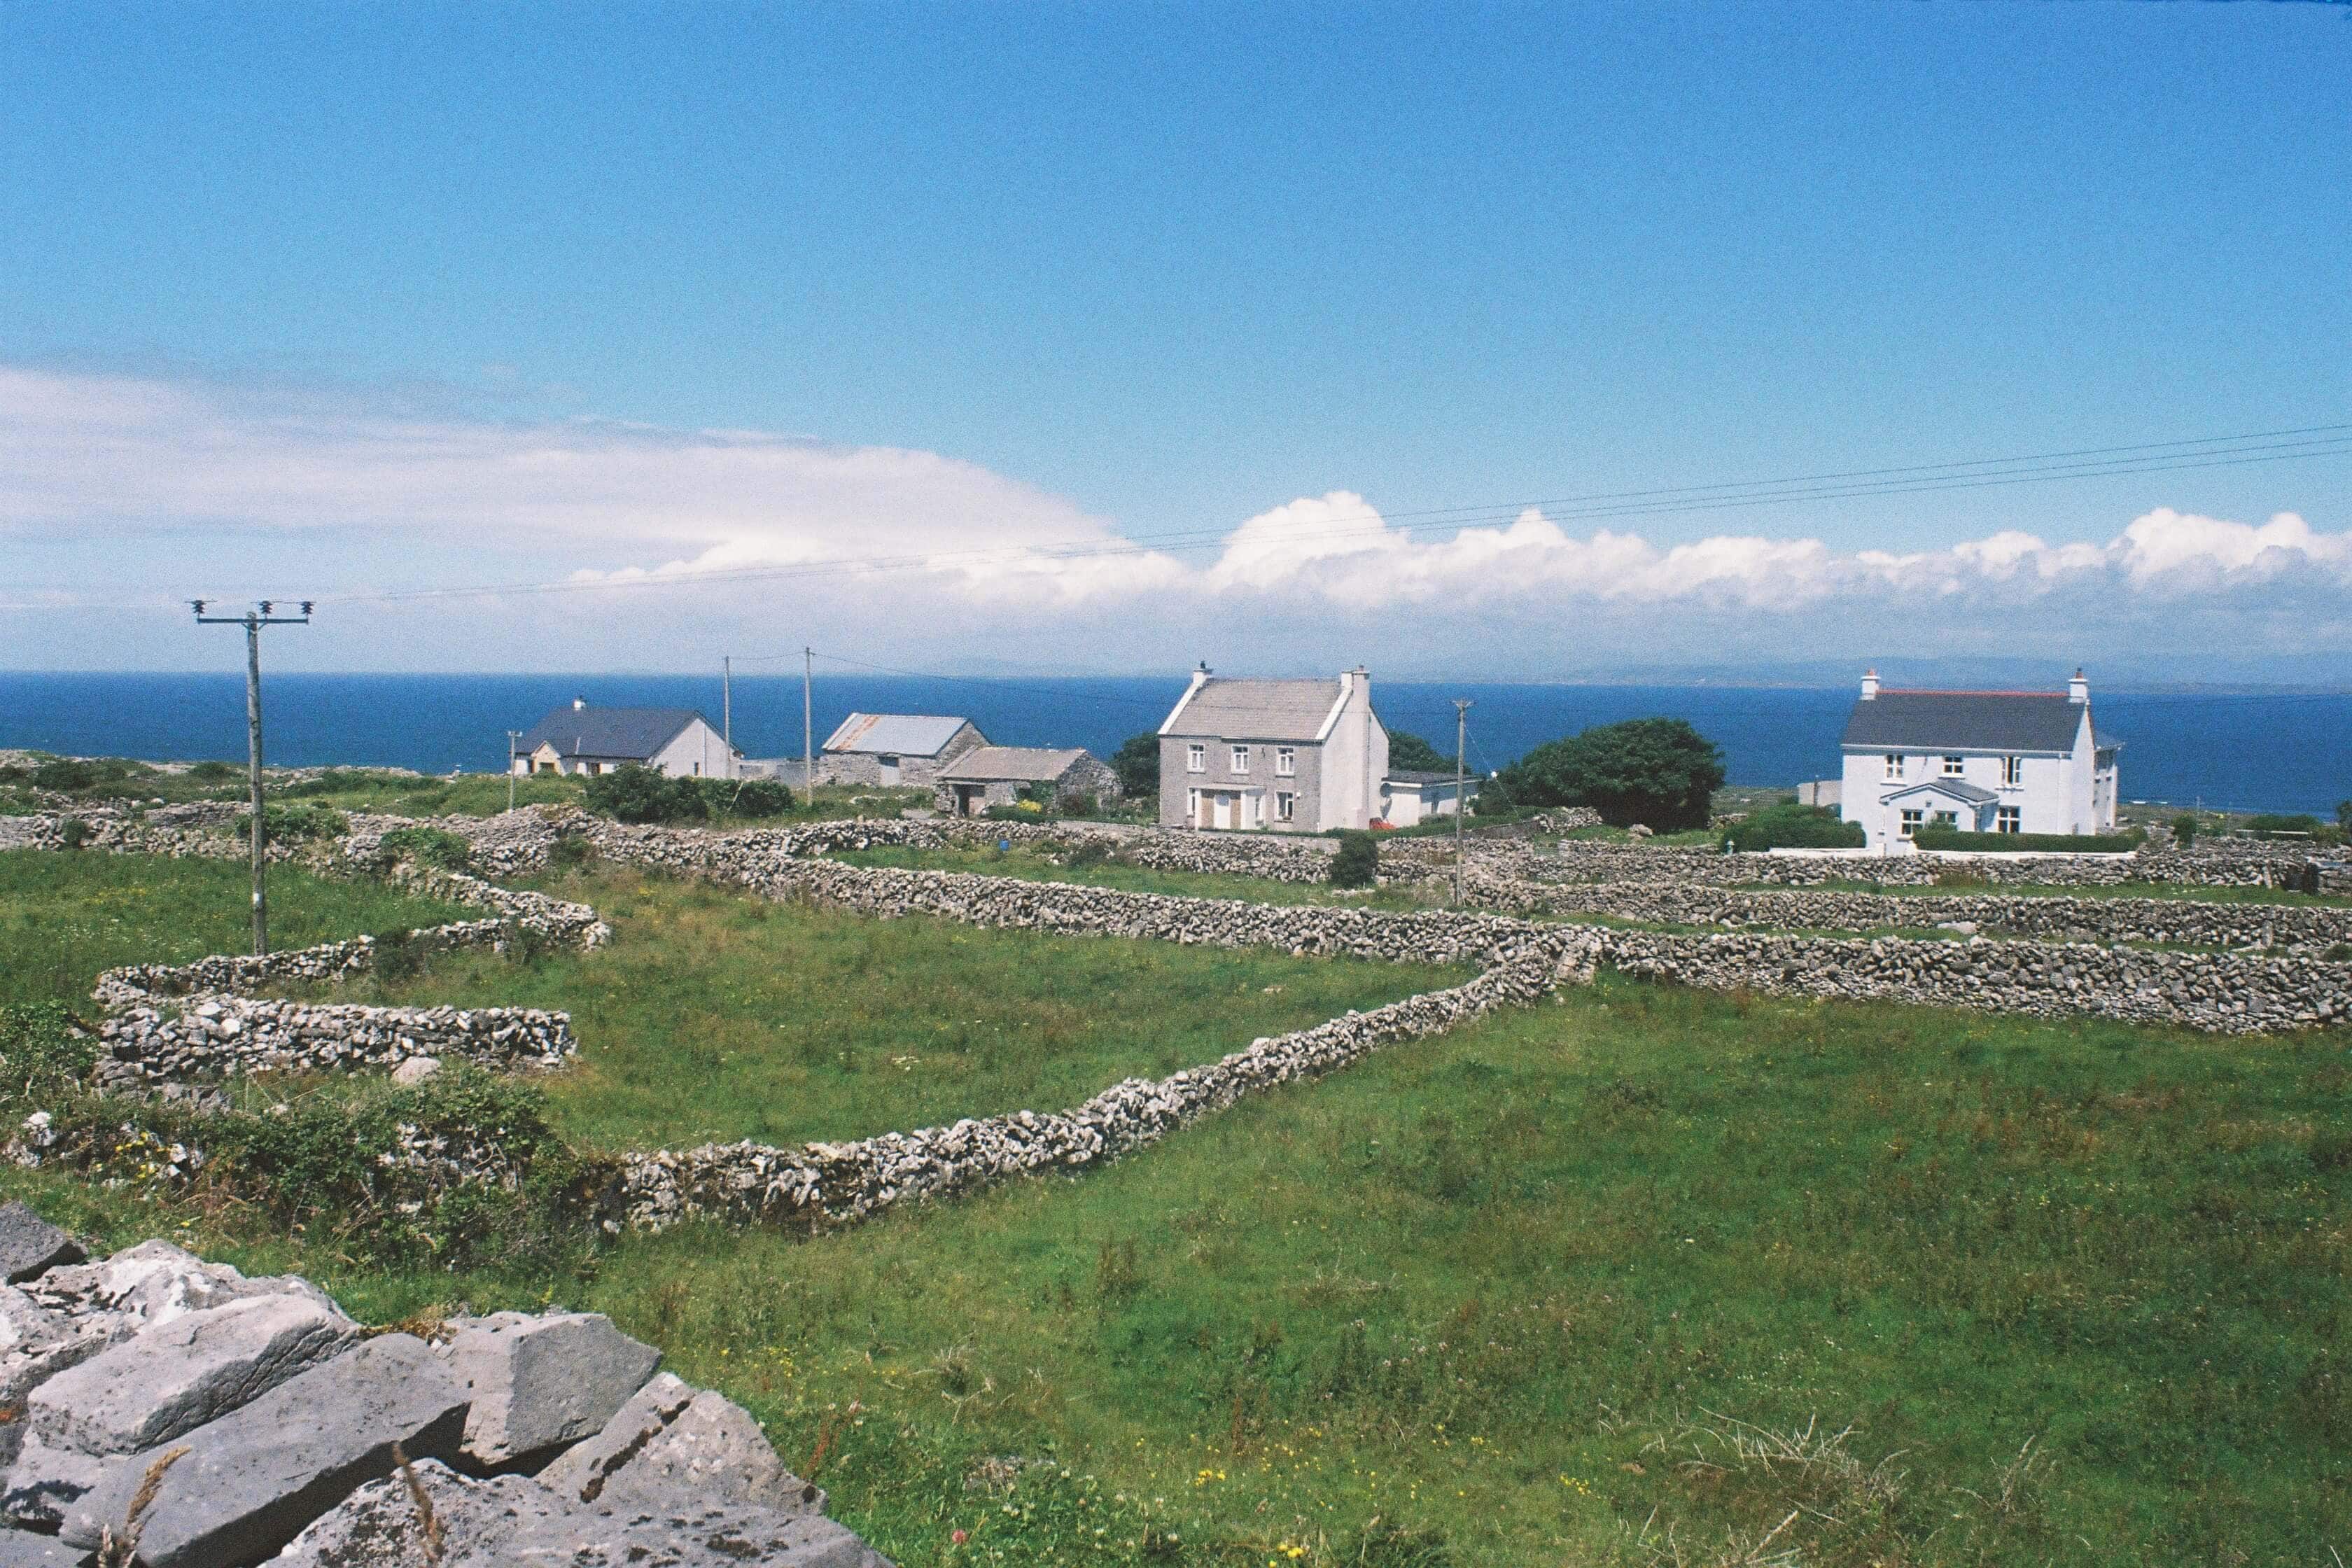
{"type": "Point", "coordinates": [211, 1421]}
{"type": "Point", "coordinates": [30, 1244]}
{"type": "Point", "coordinates": [508, 1521]}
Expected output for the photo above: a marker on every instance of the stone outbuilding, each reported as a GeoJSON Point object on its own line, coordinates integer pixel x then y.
{"type": "Point", "coordinates": [895, 749]}
{"type": "Point", "coordinates": [997, 775]}
{"type": "Point", "coordinates": [587, 740]}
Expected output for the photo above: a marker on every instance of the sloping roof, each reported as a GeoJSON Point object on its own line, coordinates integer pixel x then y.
{"type": "Point", "coordinates": [1956, 789]}
{"type": "Point", "coordinates": [1966, 721]}
{"type": "Point", "coordinates": [614, 733]}
{"type": "Point", "coordinates": [1425, 776]}
{"type": "Point", "coordinates": [1245, 709]}
{"type": "Point", "coordinates": [899, 734]}
{"type": "Point", "coordinates": [1029, 764]}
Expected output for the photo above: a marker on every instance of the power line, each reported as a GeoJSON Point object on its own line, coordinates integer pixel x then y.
{"type": "Point", "coordinates": [2160, 457]}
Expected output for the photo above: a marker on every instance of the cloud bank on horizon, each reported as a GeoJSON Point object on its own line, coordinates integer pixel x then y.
{"type": "Point", "coordinates": [110, 463]}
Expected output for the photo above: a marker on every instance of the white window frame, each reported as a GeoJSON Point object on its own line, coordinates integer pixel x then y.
{"type": "Point", "coordinates": [1285, 805]}
{"type": "Point", "coordinates": [1241, 759]}
{"type": "Point", "coordinates": [1196, 760]}
{"type": "Point", "coordinates": [2012, 770]}
{"type": "Point", "coordinates": [1895, 764]}
{"type": "Point", "coordinates": [1953, 767]}
{"type": "Point", "coordinates": [1912, 820]}
{"type": "Point", "coordinates": [2008, 819]}
{"type": "Point", "coordinates": [1286, 763]}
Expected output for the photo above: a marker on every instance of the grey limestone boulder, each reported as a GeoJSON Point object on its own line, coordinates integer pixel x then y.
{"type": "Point", "coordinates": [673, 1441]}
{"type": "Point", "coordinates": [46, 1485]}
{"type": "Point", "coordinates": [21, 1550]}
{"type": "Point", "coordinates": [155, 1282]}
{"type": "Point", "coordinates": [250, 1481]}
{"type": "Point", "coordinates": [509, 1521]}
{"type": "Point", "coordinates": [31, 1245]}
{"type": "Point", "coordinates": [538, 1383]}
{"type": "Point", "coordinates": [174, 1376]}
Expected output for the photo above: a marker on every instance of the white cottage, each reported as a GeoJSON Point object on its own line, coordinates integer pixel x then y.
{"type": "Point", "coordinates": [1287, 756]}
{"type": "Point", "coordinates": [581, 739]}
{"type": "Point", "coordinates": [1982, 761]}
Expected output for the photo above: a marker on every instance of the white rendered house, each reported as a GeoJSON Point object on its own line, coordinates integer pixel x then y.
{"type": "Point", "coordinates": [581, 739]}
{"type": "Point", "coordinates": [1981, 762]}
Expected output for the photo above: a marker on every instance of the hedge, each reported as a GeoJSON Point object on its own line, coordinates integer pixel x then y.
{"type": "Point", "coordinates": [2014, 842]}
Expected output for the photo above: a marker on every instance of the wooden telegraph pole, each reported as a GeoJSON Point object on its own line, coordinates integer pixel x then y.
{"type": "Point", "coordinates": [1461, 706]}
{"type": "Point", "coordinates": [253, 620]}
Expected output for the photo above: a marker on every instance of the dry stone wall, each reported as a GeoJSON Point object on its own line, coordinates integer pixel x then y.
{"type": "Point", "coordinates": [2305, 930]}
{"type": "Point", "coordinates": [1496, 866]}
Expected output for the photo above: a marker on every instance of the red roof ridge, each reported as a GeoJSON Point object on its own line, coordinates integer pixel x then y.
{"type": "Point", "coordinates": [1933, 691]}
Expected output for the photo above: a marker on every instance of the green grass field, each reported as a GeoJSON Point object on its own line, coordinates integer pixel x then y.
{"type": "Point", "coordinates": [64, 918]}
{"type": "Point", "coordinates": [1552, 1289]}
{"type": "Point", "coordinates": [712, 1016]}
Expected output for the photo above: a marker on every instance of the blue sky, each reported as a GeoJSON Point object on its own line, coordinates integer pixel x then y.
{"type": "Point", "coordinates": [353, 299]}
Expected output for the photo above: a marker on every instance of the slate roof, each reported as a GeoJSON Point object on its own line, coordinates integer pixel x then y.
{"type": "Point", "coordinates": [1965, 721]}
{"type": "Point", "coordinates": [1027, 764]}
{"type": "Point", "coordinates": [1958, 789]}
{"type": "Point", "coordinates": [622, 735]}
{"type": "Point", "coordinates": [1245, 709]}
{"type": "Point", "coordinates": [1425, 776]}
{"type": "Point", "coordinates": [895, 734]}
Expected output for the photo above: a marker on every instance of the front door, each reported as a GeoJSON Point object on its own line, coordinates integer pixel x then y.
{"type": "Point", "coordinates": [890, 766]}
{"type": "Point", "coordinates": [1221, 810]}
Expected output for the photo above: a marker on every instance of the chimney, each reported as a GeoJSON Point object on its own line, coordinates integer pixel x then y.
{"type": "Point", "coordinates": [1870, 686]}
{"type": "Point", "coordinates": [2079, 689]}
{"type": "Point", "coordinates": [1201, 676]}
{"type": "Point", "coordinates": [577, 703]}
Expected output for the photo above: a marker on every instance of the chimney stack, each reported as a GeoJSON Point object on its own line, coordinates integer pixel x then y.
{"type": "Point", "coordinates": [2079, 689]}
{"type": "Point", "coordinates": [1870, 686]}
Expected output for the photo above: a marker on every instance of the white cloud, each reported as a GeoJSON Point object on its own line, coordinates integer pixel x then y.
{"type": "Point", "coordinates": [122, 470]}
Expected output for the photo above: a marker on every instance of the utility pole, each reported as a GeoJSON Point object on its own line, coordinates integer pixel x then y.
{"type": "Point", "coordinates": [514, 737]}
{"type": "Point", "coordinates": [727, 699]}
{"type": "Point", "coordinates": [808, 731]}
{"type": "Point", "coordinates": [1460, 807]}
{"type": "Point", "coordinates": [253, 620]}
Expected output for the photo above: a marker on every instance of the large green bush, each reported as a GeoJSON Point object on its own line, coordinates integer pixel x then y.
{"type": "Point", "coordinates": [639, 795]}
{"type": "Point", "coordinates": [288, 823]}
{"type": "Point", "coordinates": [2284, 825]}
{"type": "Point", "coordinates": [1658, 771]}
{"type": "Point", "coordinates": [1788, 825]}
{"type": "Point", "coordinates": [1409, 751]}
{"type": "Point", "coordinates": [1136, 763]}
{"type": "Point", "coordinates": [427, 846]}
{"type": "Point", "coordinates": [1358, 863]}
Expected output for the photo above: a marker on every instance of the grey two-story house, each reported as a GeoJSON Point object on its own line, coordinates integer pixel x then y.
{"type": "Point", "coordinates": [1281, 756]}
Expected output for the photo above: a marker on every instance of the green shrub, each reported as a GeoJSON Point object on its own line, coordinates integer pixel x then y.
{"type": "Point", "coordinates": [569, 852]}
{"type": "Point", "coordinates": [637, 795]}
{"type": "Point", "coordinates": [398, 954]}
{"type": "Point", "coordinates": [1495, 799]}
{"type": "Point", "coordinates": [1358, 863]}
{"type": "Point", "coordinates": [349, 781]}
{"type": "Point", "coordinates": [42, 1050]}
{"type": "Point", "coordinates": [75, 833]}
{"type": "Point", "coordinates": [761, 798]}
{"type": "Point", "coordinates": [292, 824]}
{"type": "Point", "coordinates": [1788, 825]}
{"type": "Point", "coordinates": [1136, 763]}
{"type": "Point", "coordinates": [2064, 843]}
{"type": "Point", "coordinates": [2283, 824]}
{"type": "Point", "coordinates": [65, 774]}
{"type": "Point", "coordinates": [215, 773]}
{"type": "Point", "coordinates": [2184, 829]}
{"type": "Point", "coordinates": [426, 846]}
{"type": "Point", "coordinates": [1658, 771]}
{"type": "Point", "coordinates": [1092, 852]}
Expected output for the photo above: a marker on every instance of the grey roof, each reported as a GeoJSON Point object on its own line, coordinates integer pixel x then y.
{"type": "Point", "coordinates": [896, 734]}
{"type": "Point", "coordinates": [1030, 765]}
{"type": "Point", "coordinates": [1958, 789]}
{"type": "Point", "coordinates": [1244, 710]}
{"type": "Point", "coordinates": [1425, 776]}
{"type": "Point", "coordinates": [620, 733]}
{"type": "Point", "coordinates": [1966, 722]}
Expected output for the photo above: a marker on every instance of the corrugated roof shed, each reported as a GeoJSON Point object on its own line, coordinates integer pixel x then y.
{"type": "Point", "coordinates": [612, 734]}
{"type": "Point", "coordinates": [997, 764]}
{"type": "Point", "coordinates": [895, 734]}
{"type": "Point", "coordinates": [1245, 709]}
{"type": "Point", "coordinates": [1966, 721]}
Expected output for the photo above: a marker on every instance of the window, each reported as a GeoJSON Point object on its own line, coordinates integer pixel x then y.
{"type": "Point", "coordinates": [1286, 806]}
{"type": "Point", "coordinates": [1895, 764]}
{"type": "Point", "coordinates": [2007, 820]}
{"type": "Point", "coordinates": [1241, 759]}
{"type": "Point", "coordinates": [2012, 770]}
{"type": "Point", "coordinates": [1285, 761]}
{"type": "Point", "coordinates": [1196, 759]}
{"type": "Point", "coordinates": [1953, 766]}
{"type": "Point", "coordinates": [1911, 820]}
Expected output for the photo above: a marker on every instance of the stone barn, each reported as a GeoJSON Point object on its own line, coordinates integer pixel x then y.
{"type": "Point", "coordinates": [895, 749]}
{"type": "Point", "coordinates": [996, 775]}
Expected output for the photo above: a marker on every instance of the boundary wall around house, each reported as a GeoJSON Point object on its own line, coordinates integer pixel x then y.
{"type": "Point", "coordinates": [1497, 865]}
{"type": "Point", "coordinates": [2185, 921]}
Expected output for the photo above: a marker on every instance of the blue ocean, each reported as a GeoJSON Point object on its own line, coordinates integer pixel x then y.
{"type": "Point", "coordinates": [2267, 753]}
